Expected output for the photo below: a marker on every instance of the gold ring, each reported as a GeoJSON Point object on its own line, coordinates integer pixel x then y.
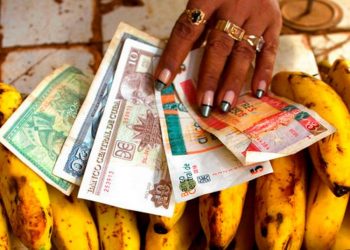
{"type": "Point", "coordinates": [195, 16]}
{"type": "Point", "coordinates": [231, 29]}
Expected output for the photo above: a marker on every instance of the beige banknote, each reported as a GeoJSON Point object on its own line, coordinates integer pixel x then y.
{"type": "Point", "coordinates": [255, 130]}
{"type": "Point", "coordinates": [75, 152]}
{"type": "Point", "coordinates": [126, 167]}
{"type": "Point", "coordinates": [198, 162]}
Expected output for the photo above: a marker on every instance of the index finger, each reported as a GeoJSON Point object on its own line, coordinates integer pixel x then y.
{"type": "Point", "coordinates": [186, 31]}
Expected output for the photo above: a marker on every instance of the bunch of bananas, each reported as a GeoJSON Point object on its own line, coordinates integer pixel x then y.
{"type": "Point", "coordinates": [298, 206]}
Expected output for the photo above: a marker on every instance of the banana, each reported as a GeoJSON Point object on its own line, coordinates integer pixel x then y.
{"type": "Point", "coordinates": [342, 240]}
{"type": "Point", "coordinates": [245, 237]}
{"type": "Point", "coordinates": [73, 226]}
{"type": "Point", "coordinates": [4, 233]}
{"type": "Point", "coordinates": [163, 224]}
{"type": "Point", "coordinates": [220, 214]}
{"type": "Point", "coordinates": [117, 228]}
{"type": "Point", "coordinates": [181, 234]}
{"type": "Point", "coordinates": [280, 203]}
{"type": "Point", "coordinates": [331, 155]}
{"type": "Point", "coordinates": [26, 202]}
{"type": "Point", "coordinates": [324, 215]}
{"type": "Point", "coordinates": [10, 99]}
{"type": "Point", "coordinates": [339, 79]}
{"type": "Point", "coordinates": [23, 192]}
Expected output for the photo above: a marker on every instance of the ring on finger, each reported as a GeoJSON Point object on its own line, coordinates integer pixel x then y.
{"type": "Point", "coordinates": [231, 29]}
{"type": "Point", "coordinates": [196, 16]}
{"type": "Point", "coordinates": [255, 41]}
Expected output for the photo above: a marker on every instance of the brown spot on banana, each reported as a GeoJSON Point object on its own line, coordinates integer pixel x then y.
{"type": "Point", "coordinates": [310, 105]}
{"type": "Point", "coordinates": [263, 231]}
{"type": "Point", "coordinates": [339, 149]}
{"type": "Point", "coordinates": [88, 240]}
{"type": "Point", "coordinates": [340, 190]}
{"type": "Point", "coordinates": [102, 208]}
{"type": "Point", "coordinates": [279, 219]}
{"type": "Point", "coordinates": [13, 185]}
{"type": "Point", "coordinates": [69, 198]}
{"type": "Point", "coordinates": [159, 228]}
{"type": "Point", "coordinates": [165, 240]}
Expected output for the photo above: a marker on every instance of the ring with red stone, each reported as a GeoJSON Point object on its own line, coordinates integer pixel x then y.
{"type": "Point", "coordinates": [196, 16]}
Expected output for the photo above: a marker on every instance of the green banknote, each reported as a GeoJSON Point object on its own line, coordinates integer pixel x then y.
{"type": "Point", "coordinates": [37, 130]}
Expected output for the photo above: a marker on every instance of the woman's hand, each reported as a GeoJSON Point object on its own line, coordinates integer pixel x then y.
{"type": "Point", "coordinates": [226, 60]}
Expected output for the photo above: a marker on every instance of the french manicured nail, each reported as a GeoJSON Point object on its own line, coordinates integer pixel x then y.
{"type": "Point", "coordinates": [207, 103]}
{"type": "Point", "coordinates": [227, 101]}
{"type": "Point", "coordinates": [162, 79]}
{"type": "Point", "coordinates": [261, 89]}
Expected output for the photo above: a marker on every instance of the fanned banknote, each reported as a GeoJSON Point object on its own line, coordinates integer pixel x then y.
{"type": "Point", "coordinates": [37, 130]}
{"type": "Point", "coordinates": [255, 130]}
{"type": "Point", "coordinates": [126, 167]}
{"type": "Point", "coordinates": [72, 161]}
{"type": "Point", "coordinates": [198, 162]}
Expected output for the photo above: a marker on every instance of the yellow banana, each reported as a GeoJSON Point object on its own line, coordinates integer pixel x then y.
{"type": "Point", "coordinates": [163, 224]}
{"type": "Point", "coordinates": [4, 233]}
{"type": "Point", "coordinates": [10, 99]}
{"type": "Point", "coordinates": [339, 79]}
{"type": "Point", "coordinates": [342, 240]}
{"type": "Point", "coordinates": [26, 202]}
{"type": "Point", "coordinates": [73, 225]}
{"type": "Point", "coordinates": [117, 228]}
{"type": "Point", "coordinates": [245, 237]}
{"type": "Point", "coordinates": [331, 155]}
{"type": "Point", "coordinates": [23, 192]}
{"type": "Point", "coordinates": [324, 215]}
{"type": "Point", "coordinates": [180, 236]}
{"type": "Point", "coordinates": [220, 214]}
{"type": "Point", "coordinates": [280, 203]}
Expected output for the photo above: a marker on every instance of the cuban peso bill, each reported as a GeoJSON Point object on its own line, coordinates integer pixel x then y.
{"type": "Point", "coordinates": [198, 162]}
{"type": "Point", "coordinates": [255, 130]}
{"type": "Point", "coordinates": [127, 166]}
{"type": "Point", "coordinates": [36, 132]}
{"type": "Point", "coordinates": [75, 152]}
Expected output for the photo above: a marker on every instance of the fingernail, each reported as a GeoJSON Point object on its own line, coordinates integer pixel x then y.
{"type": "Point", "coordinates": [227, 101]}
{"type": "Point", "coordinates": [207, 103]}
{"type": "Point", "coordinates": [261, 89]}
{"type": "Point", "coordinates": [162, 79]}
